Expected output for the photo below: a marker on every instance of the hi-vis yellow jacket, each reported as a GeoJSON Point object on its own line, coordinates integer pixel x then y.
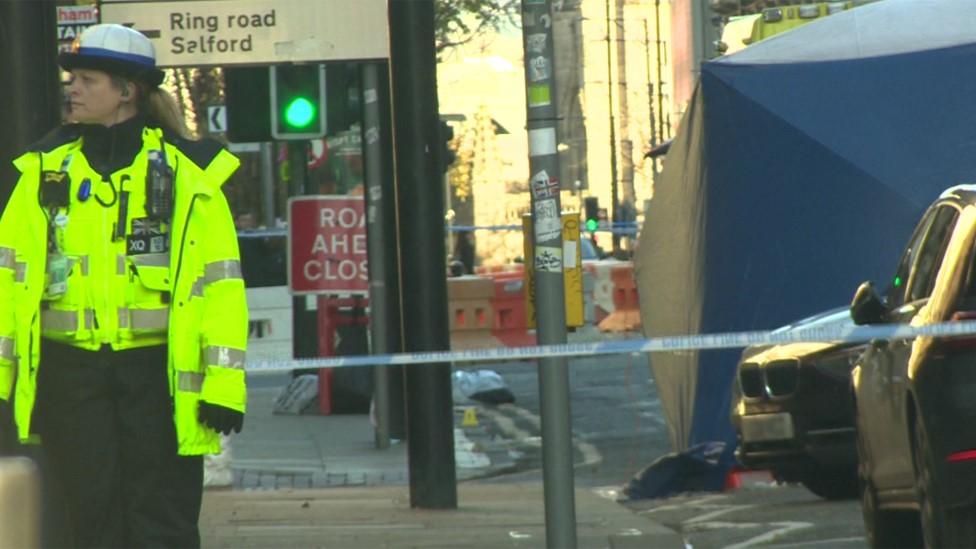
{"type": "Point", "coordinates": [207, 310]}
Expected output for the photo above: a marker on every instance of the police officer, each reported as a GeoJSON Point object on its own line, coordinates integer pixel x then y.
{"type": "Point", "coordinates": [123, 321]}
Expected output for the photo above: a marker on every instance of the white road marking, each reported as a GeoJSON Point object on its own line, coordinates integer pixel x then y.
{"type": "Point", "coordinates": [506, 424]}
{"type": "Point", "coordinates": [717, 525]}
{"type": "Point", "coordinates": [704, 501]}
{"type": "Point", "coordinates": [717, 513]}
{"type": "Point", "coordinates": [608, 492]}
{"type": "Point", "coordinates": [705, 521]}
{"type": "Point", "coordinates": [591, 455]}
{"type": "Point", "coordinates": [782, 529]}
{"type": "Point", "coordinates": [833, 542]}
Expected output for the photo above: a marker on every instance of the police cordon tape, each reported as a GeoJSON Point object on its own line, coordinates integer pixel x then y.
{"type": "Point", "coordinates": [623, 227]}
{"type": "Point", "coordinates": [729, 340]}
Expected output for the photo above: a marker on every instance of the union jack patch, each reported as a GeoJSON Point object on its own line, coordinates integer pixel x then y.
{"type": "Point", "coordinates": [146, 226]}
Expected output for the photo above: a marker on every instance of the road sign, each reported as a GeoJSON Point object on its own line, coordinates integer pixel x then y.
{"type": "Point", "coordinates": [72, 20]}
{"type": "Point", "coordinates": [250, 32]}
{"type": "Point", "coordinates": [217, 117]}
{"type": "Point", "coordinates": [327, 245]}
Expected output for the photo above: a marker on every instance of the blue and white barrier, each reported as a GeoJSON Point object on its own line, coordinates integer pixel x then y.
{"type": "Point", "coordinates": [839, 334]}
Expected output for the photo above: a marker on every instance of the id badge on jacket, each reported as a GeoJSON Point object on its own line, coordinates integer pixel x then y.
{"type": "Point", "coordinates": [57, 276]}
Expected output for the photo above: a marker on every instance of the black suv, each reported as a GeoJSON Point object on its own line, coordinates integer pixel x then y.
{"type": "Point", "coordinates": [915, 399]}
{"type": "Point", "coordinates": [792, 413]}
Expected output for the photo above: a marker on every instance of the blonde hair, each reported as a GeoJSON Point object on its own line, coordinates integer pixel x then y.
{"type": "Point", "coordinates": [161, 108]}
{"type": "Point", "coordinates": [157, 105]}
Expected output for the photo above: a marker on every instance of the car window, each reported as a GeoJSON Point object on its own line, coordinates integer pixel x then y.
{"type": "Point", "coordinates": [971, 279]}
{"type": "Point", "coordinates": [896, 293]}
{"type": "Point", "coordinates": [931, 253]}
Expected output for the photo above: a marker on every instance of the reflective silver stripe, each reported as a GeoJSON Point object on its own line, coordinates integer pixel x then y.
{"type": "Point", "coordinates": [7, 348]}
{"type": "Point", "coordinates": [82, 261]}
{"type": "Point", "coordinates": [120, 267]}
{"type": "Point", "coordinates": [144, 319]}
{"type": "Point", "coordinates": [197, 289]}
{"type": "Point", "coordinates": [65, 321]}
{"type": "Point", "coordinates": [7, 257]}
{"type": "Point", "coordinates": [190, 382]}
{"type": "Point", "coordinates": [221, 270]}
{"type": "Point", "coordinates": [224, 357]}
{"type": "Point", "coordinates": [150, 260]}
{"type": "Point", "coordinates": [149, 319]}
{"type": "Point", "coordinates": [20, 272]}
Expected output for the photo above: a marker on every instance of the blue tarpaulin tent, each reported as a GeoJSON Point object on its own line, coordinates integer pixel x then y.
{"type": "Point", "coordinates": [799, 170]}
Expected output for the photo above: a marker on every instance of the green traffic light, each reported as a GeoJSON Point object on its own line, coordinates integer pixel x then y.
{"type": "Point", "coordinates": [592, 224]}
{"type": "Point", "coordinates": [299, 112]}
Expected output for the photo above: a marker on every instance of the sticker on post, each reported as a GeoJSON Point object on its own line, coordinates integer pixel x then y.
{"type": "Point", "coordinates": [569, 252]}
{"type": "Point", "coordinates": [539, 69]}
{"type": "Point", "coordinates": [536, 43]}
{"type": "Point", "coordinates": [547, 223]}
{"type": "Point", "coordinates": [544, 186]}
{"type": "Point", "coordinates": [548, 259]}
{"type": "Point", "coordinates": [372, 135]}
{"type": "Point", "coordinates": [539, 95]}
{"type": "Point", "coordinates": [542, 142]}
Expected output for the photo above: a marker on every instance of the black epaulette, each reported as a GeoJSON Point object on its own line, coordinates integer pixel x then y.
{"type": "Point", "coordinates": [201, 152]}
{"type": "Point", "coordinates": [56, 137]}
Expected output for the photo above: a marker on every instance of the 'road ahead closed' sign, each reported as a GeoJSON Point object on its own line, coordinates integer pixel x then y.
{"type": "Point", "coordinates": [327, 245]}
{"type": "Point", "coordinates": [225, 32]}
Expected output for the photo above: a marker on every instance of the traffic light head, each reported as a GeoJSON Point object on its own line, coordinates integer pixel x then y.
{"type": "Point", "coordinates": [297, 101]}
{"type": "Point", "coordinates": [445, 133]}
{"type": "Point", "coordinates": [591, 207]}
{"type": "Point", "coordinates": [247, 94]}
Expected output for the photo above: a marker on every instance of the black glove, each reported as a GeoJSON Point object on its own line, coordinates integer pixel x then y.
{"type": "Point", "coordinates": [220, 419]}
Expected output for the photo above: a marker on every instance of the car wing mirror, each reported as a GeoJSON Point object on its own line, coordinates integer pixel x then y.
{"type": "Point", "coordinates": [867, 306]}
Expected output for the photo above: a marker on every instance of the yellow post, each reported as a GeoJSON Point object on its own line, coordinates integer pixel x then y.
{"type": "Point", "coordinates": [572, 270]}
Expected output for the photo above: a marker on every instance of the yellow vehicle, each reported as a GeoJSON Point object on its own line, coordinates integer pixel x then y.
{"type": "Point", "coordinates": [741, 30]}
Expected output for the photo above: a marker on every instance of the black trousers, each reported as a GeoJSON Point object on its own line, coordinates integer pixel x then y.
{"type": "Point", "coordinates": [106, 425]}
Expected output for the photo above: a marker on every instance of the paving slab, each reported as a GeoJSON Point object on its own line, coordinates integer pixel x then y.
{"type": "Point", "coordinates": [319, 481]}
{"type": "Point", "coordinates": [487, 516]}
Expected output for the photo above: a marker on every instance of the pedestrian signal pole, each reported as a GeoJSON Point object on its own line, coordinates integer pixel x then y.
{"type": "Point", "coordinates": [297, 103]}
{"type": "Point", "coordinates": [557, 444]}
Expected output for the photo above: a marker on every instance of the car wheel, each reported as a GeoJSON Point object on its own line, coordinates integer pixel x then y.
{"type": "Point", "coordinates": [884, 528]}
{"type": "Point", "coordinates": [832, 484]}
{"type": "Point", "coordinates": [941, 527]}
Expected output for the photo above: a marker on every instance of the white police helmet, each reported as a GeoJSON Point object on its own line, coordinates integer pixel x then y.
{"type": "Point", "coordinates": [115, 49]}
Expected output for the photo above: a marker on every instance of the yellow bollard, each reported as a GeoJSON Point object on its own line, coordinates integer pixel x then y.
{"type": "Point", "coordinates": [20, 506]}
